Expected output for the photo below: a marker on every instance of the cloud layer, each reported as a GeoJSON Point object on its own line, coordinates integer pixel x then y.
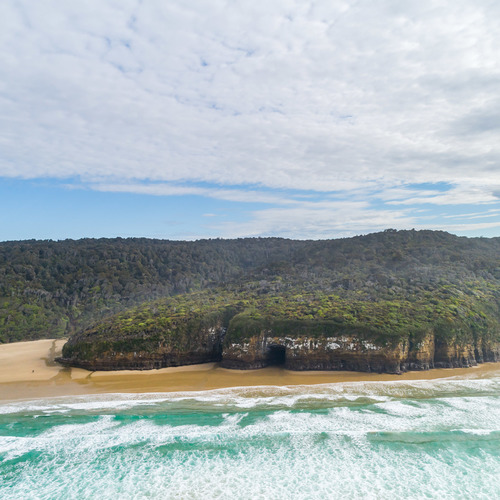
{"type": "Point", "coordinates": [356, 100]}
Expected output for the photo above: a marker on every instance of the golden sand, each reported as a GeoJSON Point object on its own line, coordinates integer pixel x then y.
{"type": "Point", "coordinates": [28, 370]}
{"type": "Point", "coordinates": [29, 361]}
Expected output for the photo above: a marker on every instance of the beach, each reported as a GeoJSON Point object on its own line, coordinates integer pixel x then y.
{"type": "Point", "coordinates": [206, 432]}
{"type": "Point", "coordinates": [28, 370]}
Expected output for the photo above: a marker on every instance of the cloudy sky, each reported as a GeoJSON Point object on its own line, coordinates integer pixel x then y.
{"type": "Point", "coordinates": [231, 118]}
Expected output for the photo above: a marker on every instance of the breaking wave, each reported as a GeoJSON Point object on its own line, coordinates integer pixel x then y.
{"type": "Point", "coordinates": [356, 440]}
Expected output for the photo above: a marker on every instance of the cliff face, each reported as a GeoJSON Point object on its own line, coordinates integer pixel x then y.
{"type": "Point", "coordinates": [456, 355]}
{"type": "Point", "coordinates": [303, 353]}
{"type": "Point", "coordinates": [295, 345]}
{"type": "Point", "coordinates": [349, 352]}
{"type": "Point", "coordinates": [201, 346]}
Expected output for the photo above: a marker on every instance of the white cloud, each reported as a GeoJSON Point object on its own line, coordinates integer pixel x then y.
{"type": "Point", "coordinates": [324, 96]}
{"type": "Point", "coordinates": [162, 189]}
{"type": "Point", "coordinates": [475, 215]}
{"type": "Point", "coordinates": [311, 221]}
{"type": "Point", "coordinates": [471, 193]}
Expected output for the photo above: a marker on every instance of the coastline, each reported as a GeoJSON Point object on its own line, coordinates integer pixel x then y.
{"type": "Point", "coordinates": [28, 371]}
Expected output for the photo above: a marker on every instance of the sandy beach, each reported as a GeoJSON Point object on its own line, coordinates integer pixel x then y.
{"type": "Point", "coordinates": [28, 370]}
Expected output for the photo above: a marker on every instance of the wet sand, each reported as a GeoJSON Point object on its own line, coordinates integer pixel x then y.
{"type": "Point", "coordinates": [28, 370]}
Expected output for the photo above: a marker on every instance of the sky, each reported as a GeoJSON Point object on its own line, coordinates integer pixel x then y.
{"type": "Point", "coordinates": [230, 118]}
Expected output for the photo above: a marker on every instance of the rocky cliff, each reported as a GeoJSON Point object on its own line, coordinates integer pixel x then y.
{"type": "Point", "coordinates": [350, 352]}
{"type": "Point", "coordinates": [204, 346]}
{"type": "Point", "coordinates": [140, 343]}
{"type": "Point", "coordinates": [344, 352]}
{"type": "Point", "coordinates": [185, 331]}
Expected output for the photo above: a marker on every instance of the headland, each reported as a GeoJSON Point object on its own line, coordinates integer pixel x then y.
{"type": "Point", "coordinates": [28, 371]}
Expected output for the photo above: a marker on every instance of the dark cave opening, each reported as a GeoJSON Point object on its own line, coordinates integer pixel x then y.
{"type": "Point", "coordinates": [276, 355]}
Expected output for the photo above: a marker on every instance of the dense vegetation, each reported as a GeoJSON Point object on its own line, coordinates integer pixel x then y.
{"type": "Point", "coordinates": [463, 314]}
{"type": "Point", "coordinates": [389, 284]}
{"type": "Point", "coordinates": [53, 289]}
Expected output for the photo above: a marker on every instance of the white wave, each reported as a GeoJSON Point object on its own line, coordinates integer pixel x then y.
{"type": "Point", "coordinates": [373, 450]}
{"type": "Point", "coordinates": [284, 455]}
{"type": "Point", "coordinates": [477, 432]}
{"type": "Point", "coordinates": [266, 396]}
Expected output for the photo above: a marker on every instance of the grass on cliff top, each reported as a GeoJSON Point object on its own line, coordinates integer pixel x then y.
{"type": "Point", "coordinates": [452, 313]}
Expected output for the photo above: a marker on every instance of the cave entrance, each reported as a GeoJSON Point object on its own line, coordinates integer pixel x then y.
{"type": "Point", "coordinates": [276, 355]}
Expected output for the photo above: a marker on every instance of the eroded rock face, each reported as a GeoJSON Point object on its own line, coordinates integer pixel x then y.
{"type": "Point", "coordinates": [421, 355]}
{"type": "Point", "coordinates": [455, 355]}
{"type": "Point", "coordinates": [303, 353]}
{"type": "Point", "coordinates": [203, 346]}
{"type": "Point", "coordinates": [264, 347]}
{"type": "Point", "coordinates": [352, 353]}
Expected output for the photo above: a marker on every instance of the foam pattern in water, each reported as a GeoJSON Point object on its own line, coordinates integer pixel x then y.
{"type": "Point", "coordinates": [436, 439]}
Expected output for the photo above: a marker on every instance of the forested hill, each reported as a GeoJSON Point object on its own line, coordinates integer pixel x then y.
{"type": "Point", "coordinates": [54, 289]}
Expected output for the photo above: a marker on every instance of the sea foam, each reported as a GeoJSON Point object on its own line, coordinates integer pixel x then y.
{"type": "Point", "coordinates": [371, 440]}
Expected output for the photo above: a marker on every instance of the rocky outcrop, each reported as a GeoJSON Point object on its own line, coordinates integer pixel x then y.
{"type": "Point", "coordinates": [203, 346]}
{"type": "Point", "coordinates": [456, 355]}
{"type": "Point", "coordinates": [353, 351]}
{"type": "Point", "coordinates": [348, 352]}
{"type": "Point", "coordinates": [367, 336]}
{"type": "Point", "coordinates": [421, 354]}
{"type": "Point", "coordinates": [303, 353]}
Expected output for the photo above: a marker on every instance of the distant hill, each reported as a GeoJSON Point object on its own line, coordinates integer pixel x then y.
{"type": "Point", "coordinates": [55, 289]}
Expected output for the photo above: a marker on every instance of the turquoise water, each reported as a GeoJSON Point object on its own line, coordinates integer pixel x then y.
{"type": "Point", "coordinates": [421, 439]}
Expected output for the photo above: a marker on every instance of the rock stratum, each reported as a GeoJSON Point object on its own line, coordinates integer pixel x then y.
{"type": "Point", "coordinates": [303, 347]}
{"type": "Point", "coordinates": [352, 353]}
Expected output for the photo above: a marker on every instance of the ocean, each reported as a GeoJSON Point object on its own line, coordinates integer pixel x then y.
{"type": "Point", "coordinates": [362, 440]}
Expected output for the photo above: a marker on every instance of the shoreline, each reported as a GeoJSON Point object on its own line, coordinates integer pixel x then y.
{"type": "Point", "coordinates": [28, 371]}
